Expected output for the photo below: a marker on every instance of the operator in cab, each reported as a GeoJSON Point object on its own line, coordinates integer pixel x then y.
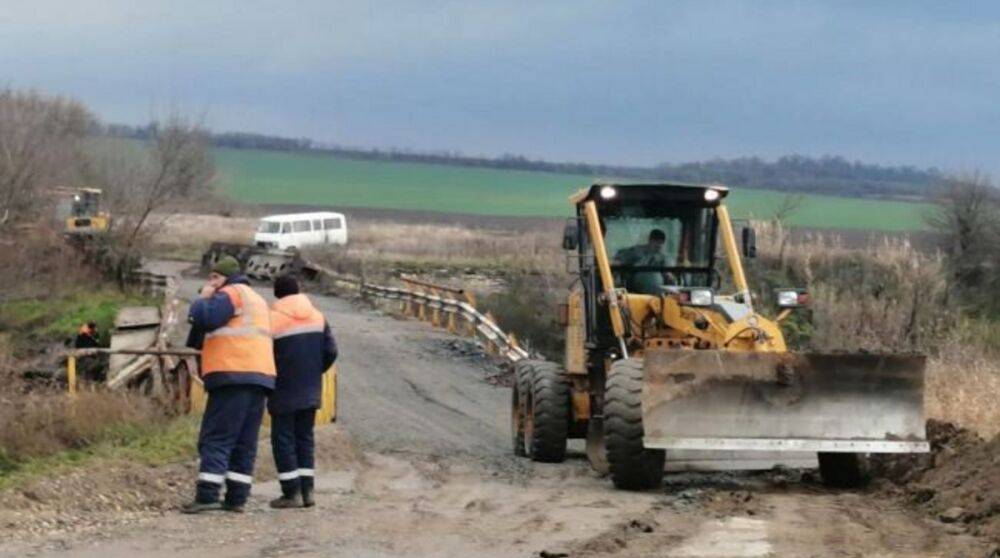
{"type": "Point", "coordinates": [647, 255]}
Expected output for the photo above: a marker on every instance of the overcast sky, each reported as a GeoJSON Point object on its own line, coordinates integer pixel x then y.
{"type": "Point", "coordinates": [634, 82]}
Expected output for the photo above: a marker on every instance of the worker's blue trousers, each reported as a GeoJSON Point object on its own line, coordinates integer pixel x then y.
{"type": "Point", "coordinates": [294, 450]}
{"type": "Point", "coordinates": [227, 443]}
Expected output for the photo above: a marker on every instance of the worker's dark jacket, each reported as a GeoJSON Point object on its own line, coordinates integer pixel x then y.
{"type": "Point", "coordinates": [304, 349]}
{"type": "Point", "coordinates": [214, 315]}
{"type": "Point", "coordinates": [85, 341]}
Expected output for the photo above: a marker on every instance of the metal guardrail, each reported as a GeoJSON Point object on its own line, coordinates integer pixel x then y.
{"type": "Point", "coordinates": [446, 312]}
{"type": "Point", "coordinates": [438, 305]}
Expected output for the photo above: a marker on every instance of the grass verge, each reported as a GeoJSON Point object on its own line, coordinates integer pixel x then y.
{"type": "Point", "coordinates": [148, 444]}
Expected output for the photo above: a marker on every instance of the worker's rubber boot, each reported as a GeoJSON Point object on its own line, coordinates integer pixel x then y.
{"type": "Point", "coordinates": [286, 502]}
{"type": "Point", "coordinates": [199, 507]}
{"type": "Point", "coordinates": [232, 507]}
{"type": "Point", "coordinates": [307, 498]}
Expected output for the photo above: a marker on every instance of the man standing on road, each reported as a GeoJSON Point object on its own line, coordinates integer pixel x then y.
{"type": "Point", "coordinates": [304, 349]}
{"type": "Point", "coordinates": [231, 325]}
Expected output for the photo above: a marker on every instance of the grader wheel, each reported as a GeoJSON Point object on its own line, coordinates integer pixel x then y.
{"type": "Point", "coordinates": [546, 411]}
{"type": "Point", "coordinates": [633, 467]}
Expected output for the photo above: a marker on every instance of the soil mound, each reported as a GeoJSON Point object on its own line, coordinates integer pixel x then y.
{"type": "Point", "coordinates": [958, 482]}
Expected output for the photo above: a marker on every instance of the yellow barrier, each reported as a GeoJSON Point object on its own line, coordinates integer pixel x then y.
{"type": "Point", "coordinates": [328, 411]}
{"type": "Point", "coordinates": [71, 374]}
{"type": "Point", "coordinates": [328, 399]}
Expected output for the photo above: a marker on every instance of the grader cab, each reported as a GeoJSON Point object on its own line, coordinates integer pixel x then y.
{"type": "Point", "coordinates": [659, 361]}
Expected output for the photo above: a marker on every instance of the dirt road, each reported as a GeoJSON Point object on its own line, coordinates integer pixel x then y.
{"type": "Point", "coordinates": [418, 466]}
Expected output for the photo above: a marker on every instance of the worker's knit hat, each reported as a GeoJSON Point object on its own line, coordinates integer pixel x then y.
{"type": "Point", "coordinates": [227, 265]}
{"type": "Point", "coordinates": [286, 285]}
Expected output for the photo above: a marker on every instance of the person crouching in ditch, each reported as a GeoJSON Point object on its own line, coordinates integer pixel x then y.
{"type": "Point", "coordinates": [304, 349]}
{"type": "Point", "coordinates": [231, 324]}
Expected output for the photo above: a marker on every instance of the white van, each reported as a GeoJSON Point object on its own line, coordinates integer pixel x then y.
{"type": "Point", "coordinates": [298, 230]}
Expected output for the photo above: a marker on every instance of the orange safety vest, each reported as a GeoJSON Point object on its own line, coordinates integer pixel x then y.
{"type": "Point", "coordinates": [244, 343]}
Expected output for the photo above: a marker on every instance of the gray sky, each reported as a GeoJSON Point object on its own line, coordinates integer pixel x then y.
{"type": "Point", "coordinates": [633, 82]}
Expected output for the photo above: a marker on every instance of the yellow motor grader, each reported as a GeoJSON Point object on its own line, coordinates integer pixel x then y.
{"type": "Point", "coordinates": [659, 361]}
{"type": "Point", "coordinates": [79, 212]}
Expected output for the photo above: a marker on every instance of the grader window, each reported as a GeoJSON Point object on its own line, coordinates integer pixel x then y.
{"type": "Point", "coordinates": [651, 249]}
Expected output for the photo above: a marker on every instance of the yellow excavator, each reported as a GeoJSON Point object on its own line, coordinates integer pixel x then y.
{"type": "Point", "coordinates": [658, 361]}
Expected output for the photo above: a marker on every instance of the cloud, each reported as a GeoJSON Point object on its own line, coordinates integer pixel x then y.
{"type": "Point", "coordinates": [632, 81]}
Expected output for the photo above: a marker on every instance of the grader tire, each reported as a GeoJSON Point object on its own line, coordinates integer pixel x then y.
{"type": "Point", "coordinates": [633, 466]}
{"type": "Point", "coordinates": [843, 470]}
{"type": "Point", "coordinates": [547, 412]}
{"type": "Point", "coordinates": [518, 399]}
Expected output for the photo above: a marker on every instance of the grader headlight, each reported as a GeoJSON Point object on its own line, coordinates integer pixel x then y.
{"type": "Point", "coordinates": [697, 297]}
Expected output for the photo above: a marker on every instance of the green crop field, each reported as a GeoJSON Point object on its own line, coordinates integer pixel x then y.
{"type": "Point", "coordinates": [301, 178]}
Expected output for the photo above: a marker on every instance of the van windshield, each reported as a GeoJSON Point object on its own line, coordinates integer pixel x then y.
{"type": "Point", "coordinates": [270, 227]}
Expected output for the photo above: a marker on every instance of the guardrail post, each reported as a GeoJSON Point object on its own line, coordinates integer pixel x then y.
{"type": "Point", "coordinates": [470, 325]}
{"type": "Point", "coordinates": [452, 321]}
{"type": "Point", "coordinates": [421, 305]}
{"type": "Point", "coordinates": [490, 347]}
{"type": "Point", "coordinates": [436, 311]}
{"type": "Point", "coordinates": [513, 341]}
{"type": "Point", "coordinates": [408, 308]}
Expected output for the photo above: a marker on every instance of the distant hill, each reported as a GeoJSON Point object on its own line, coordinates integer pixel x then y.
{"type": "Point", "coordinates": [791, 173]}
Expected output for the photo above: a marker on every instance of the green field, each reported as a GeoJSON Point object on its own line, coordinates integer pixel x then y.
{"type": "Point", "coordinates": [300, 178]}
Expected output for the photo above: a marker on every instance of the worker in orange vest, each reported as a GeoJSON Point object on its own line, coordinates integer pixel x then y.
{"type": "Point", "coordinates": [304, 349]}
{"type": "Point", "coordinates": [231, 325]}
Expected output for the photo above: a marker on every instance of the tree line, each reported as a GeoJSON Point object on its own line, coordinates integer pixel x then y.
{"type": "Point", "coordinates": [794, 173]}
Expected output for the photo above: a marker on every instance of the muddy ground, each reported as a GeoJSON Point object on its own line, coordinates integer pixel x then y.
{"type": "Point", "coordinates": [418, 465]}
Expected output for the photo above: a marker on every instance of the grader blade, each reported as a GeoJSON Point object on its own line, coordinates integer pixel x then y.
{"type": "Point", "coordinates": [720, 400]}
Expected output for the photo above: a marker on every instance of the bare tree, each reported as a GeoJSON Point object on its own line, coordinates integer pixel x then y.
{"type": "Point", "coordinates": [967, 216]}
{"type": "Point", "coordinates": [40, 139]}
{"type": "Point", "coordinates": [141, 180]}
{"type": "Point", "coordinates": [789, 205]}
